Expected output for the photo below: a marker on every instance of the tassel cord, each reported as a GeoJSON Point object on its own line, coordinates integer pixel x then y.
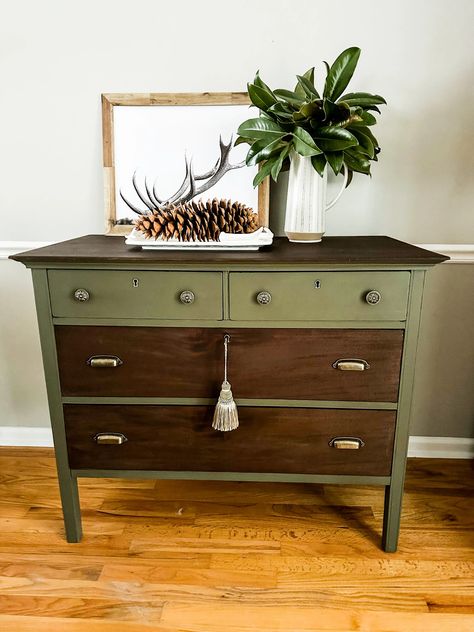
{"type": "Point", "coordinates": [226, 354]}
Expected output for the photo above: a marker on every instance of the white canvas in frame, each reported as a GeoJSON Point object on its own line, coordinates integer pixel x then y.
{"type": "Point", "coordinates": [153, 140]}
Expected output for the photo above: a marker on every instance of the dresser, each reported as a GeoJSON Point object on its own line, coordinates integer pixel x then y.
{"type": "Point", "coordinates": [322, 356]}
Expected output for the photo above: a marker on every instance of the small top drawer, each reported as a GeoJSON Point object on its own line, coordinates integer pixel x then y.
{"type": "Point", "coordinates": [319, 295]}
{"type": "Point", "coordinates": [136, 294]}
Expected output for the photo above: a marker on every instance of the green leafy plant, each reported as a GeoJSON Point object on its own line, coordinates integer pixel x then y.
{"type": "Point", "coordinates": [331, 129]}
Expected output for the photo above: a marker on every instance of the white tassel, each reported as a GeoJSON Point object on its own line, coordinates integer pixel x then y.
{"type": "Point", "coordinates": [226, 417]}
{"type": "Point", "coordinates": [225, 414]}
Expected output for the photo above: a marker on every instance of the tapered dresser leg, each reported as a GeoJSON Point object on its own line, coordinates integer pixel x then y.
{"type": "Point", "coordinates": [71, 508]}
{"type": "Point", "coordinates": [391, 517]}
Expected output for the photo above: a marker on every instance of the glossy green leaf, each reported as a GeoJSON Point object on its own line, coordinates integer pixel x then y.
{"type": "Point", "coordinates": [261, 150]}
{"type": "Point", "coordinates": [365, 142]}
{"type": "Point", "coordinates": [261, 128]}
{"type": "Point", "coordinates": [261, 84]}
{"type": "Point", "coordinates": [241, 140]}
{"type": "Point", "coordinates": [299, 88]}
{"type": "Point", "coordinates": [280, 111]}
{"type": "Point", "coordinates": [363, 99]}
{"type": "Point", "coordinates": [278, 164]}
{"type": "Point", "coordinates": [335, 160]}
{"type": "Point", "coordinates": [304, 144]}
{"type": "Point", "coordinates": [287, 96]}
{"type": "Point", "coordinates": [341, 73]}
{"type": "Point", "coordinates": [334, 138]}
{"type": "Point", "coordinates": [308, 88]}
{"type": "Point", "coordinates": [366, 119]}
{"type": "Point", "coordinates": [356, 161]}
{"type": "Point", "coordinates": [319, 163]}
{"type": "Point", "coordinates": [263, 172]}
{"type": "Point", "coordinates": [260, 97]}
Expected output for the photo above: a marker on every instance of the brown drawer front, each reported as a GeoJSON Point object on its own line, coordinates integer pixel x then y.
{"type": "Point", "coordinates": [180, 438]}
{"type": "Point", "coordinates": [263, 363]}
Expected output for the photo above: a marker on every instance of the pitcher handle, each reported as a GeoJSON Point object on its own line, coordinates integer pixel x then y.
{"type": "Point", "coordinates": [346, 175]}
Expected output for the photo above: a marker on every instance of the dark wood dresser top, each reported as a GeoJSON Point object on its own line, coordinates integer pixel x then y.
{"type": "Point", "coordinates": [363, 250]}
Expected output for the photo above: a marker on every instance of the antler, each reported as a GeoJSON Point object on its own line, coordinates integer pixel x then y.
{"type": "Point", "coordinates": [187, 190]}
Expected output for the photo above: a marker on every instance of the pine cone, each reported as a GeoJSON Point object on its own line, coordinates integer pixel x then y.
{"type": "Point", "coordinates": [198, 221]}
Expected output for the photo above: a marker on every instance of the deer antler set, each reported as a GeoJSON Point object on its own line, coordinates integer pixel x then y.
{"type": "Point", "coordinates": [188, 189]}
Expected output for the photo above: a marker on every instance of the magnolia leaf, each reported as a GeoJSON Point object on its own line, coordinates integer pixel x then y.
{"type": "Point", "coordinates": [366, 119]}
{"type": "Point", "coordinates": [334, 138]}
{"type": "Point", "coordinates": [304, 143]}
{"type": "Point", "coordinates": [240, 140]}
{"type": "Point", "coordinates": [260, 97]}
{"type": "Point", "coordinates": [289, 97]}
{"type": "Point", "coordinates": [261, 84]}
{"type": "Point", "coordinates": [261, 150]}
{"type": "Point", "coordinates": [335, 160]}
{"type": "Point", "coordinates": [356, 161]}
{"type": "Point", "coordinates": [363, 99]}
{"type": "Point", "coordinates": [308, 88]}
{"type": "Point", "coordinates": [308, 76]}
{"type": "Point", "coordinates": [319, 163]}
{"type": "Point", "coordinates": [276, 168]}
{"type": "Point", "coordinates": [261, 128]}
{"type": "Point", "coordinates": [365, 142]}
{"type": "Point", "coordinates": [263, 171]}
{"type": "Point", "coordinates": [341, 73]}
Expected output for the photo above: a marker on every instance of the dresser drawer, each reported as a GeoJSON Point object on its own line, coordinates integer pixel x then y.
{"type": "Point", "coordinates": [316, 296]}
{"type": "Point", "coordinates": [180, 438]}
{"type": "Point", "coordinates": [263, 363]}
{"type": "Point", "coordinates": [135, 294]}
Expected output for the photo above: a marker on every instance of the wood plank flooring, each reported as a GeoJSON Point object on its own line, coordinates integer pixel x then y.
{"type": "Point", "coordinates": [193, 556]}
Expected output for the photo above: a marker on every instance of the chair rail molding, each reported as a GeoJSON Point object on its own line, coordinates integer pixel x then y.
{"type": "Point", "coordinates": [8, 248]}
{"type": "Point", "coordinates": [458, 253]}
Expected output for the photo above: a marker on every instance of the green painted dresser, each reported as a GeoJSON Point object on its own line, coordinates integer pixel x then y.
{"type": "Point", "coordinates": [322, 362]}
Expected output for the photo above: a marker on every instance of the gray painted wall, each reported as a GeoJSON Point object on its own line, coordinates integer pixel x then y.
{"type": "Point", "coordinates": [57, 57]}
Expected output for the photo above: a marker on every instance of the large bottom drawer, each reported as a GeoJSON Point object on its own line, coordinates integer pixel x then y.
{"type": "Point", "coordinates": [180, 438]}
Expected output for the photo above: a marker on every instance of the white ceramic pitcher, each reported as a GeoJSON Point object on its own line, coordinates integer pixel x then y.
{"type": "Point", "coordinates": [306, 206]}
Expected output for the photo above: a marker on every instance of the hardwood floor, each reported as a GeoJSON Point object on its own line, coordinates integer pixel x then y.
{"type": "Point", "coordinates": [187, 556]}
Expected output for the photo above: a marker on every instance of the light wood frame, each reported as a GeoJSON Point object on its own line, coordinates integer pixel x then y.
{"type": "Point", "coordinates": [111, 101]}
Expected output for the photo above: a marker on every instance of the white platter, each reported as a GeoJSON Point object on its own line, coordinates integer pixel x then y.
{"type": "Point", "coordinates": [227, 241]}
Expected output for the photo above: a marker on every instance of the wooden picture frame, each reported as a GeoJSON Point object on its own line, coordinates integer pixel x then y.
{"type": "Point", "coordinates": [112, 101]}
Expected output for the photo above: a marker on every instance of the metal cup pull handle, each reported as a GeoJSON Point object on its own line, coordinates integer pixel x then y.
{"type": "Point", "coordinates": [346, 443]}
{"type": "Point", "coordinates": [351, 364]}
{"type": "Point", "coordinates": [104, 361]}
{"type": "Point", "coordinates": [110, 438]}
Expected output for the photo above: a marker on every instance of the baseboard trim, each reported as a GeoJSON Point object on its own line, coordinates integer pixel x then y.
{"type": "Point", "coordinates": [428, 447]}
{"type": "Point", "coordinates": [26, 437]}
{"type": "Point", "coordinates": [441, 447]}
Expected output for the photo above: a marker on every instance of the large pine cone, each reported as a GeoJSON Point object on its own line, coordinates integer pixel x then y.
{"type": "Point", "coordinates": [198, 221]}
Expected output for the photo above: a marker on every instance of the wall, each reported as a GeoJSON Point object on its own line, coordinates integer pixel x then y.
{"type": "Point", "coordinates": [57, 57]}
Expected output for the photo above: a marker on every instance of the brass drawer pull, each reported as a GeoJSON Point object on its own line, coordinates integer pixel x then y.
{"type": "Point", "coordinates": [81, 295]}
{"type": "Point", "coordinates": [110, 438]}
{"type": "Point", "coordinates": [346, 443]}
{"type": "Point", "coordinates": [187, 297]}
{"type": "Point", "coordinates": [104, 362]}
{"type": "Point", "coordinates": [351, 364]}
{"type": "Point", "coordinates": [264, 298]}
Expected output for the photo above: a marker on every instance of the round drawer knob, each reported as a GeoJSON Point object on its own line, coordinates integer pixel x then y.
{"type": "Point", "coordinates": [81, 295]}
{"type": "Point", "coordinates": [187, 297]}
{"type": "Point", "coordinates": [263, 298]}
{"type": "Point", "coordinates": [373, 297]}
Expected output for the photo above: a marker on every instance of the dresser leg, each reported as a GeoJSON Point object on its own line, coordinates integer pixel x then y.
{"type": "Point", "coordinates": [71, 507]}
{"type": "Point", "coordinates": [391, 517]}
